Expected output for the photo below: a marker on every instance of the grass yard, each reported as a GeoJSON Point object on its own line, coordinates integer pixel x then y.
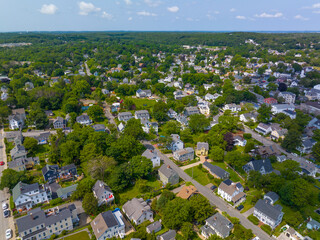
{"type": "Point", "coordinates": [42, 151]}
{"type": "Point", "coordinates": [78, 236]}
{"type": "Point", "coordinates": [143, 103]}
{"type": "Point", "coordinates": [252, 195]}
{"type": "Point", "coordinates": [134, 191]}
{"type": "Point", "coordinates": [58, 113]}
{"type": "Point", "coordinates": [233, 176]}
{"type": "Point", "coordinates": [198, 175]}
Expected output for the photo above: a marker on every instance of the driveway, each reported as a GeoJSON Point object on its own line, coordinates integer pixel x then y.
{"type": "Point", "coordinates": [248, 213]}
{"type": "Point", "coordinates": [215, 200]}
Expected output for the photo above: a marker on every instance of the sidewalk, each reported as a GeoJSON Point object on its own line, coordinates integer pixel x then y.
{"type": "Point", "coordinates": [190, 165]}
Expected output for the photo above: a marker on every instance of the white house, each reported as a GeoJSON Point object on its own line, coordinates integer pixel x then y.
{"type": "Point", "coordinates": [25, 196]}
{"type": "Point", "coordinates": [239, 141]}
{"type": "Point", "coordinates": [84, 119]}
{"type": "Point", "coordinates": [267, 213]}
{"type": "Point", "coordinates": [172, 114]}
{"type": "Point", "coordinates": [142, 114]}
{"type": "Point", "coordinates": [125, 116]}
{"type": "Point", "coordinates": [232, 107]}
{"type": "Point", "coordinates": [153, 156]}
{"type": "Point", "coordinates": [102, 193]}
{"type": "Point", "coordinates": [176, 143]}
{"type": "Point", "coordinates": [278, 108]}
{"type": "Point", "coordinates": [231, 192]}
{"type": "Point", "coordinates": [289, 97]}
{"type": "Point", "coordinates": [137, 210]}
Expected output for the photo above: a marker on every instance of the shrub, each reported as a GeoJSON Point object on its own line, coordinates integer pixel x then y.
{"type": "Point", "coordinates": [253, 219]}
{"type": "Point", "coordinates": [55, 202]}
{"type": "Point", "coordinates": [267, 229]}
{"type": "Point", "coordinates": [247, 136]}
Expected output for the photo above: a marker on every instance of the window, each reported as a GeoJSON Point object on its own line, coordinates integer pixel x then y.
{"type": "Point", "coordinates": [66, 224]}
{"type": "Point", "coordinates": [56, 228]}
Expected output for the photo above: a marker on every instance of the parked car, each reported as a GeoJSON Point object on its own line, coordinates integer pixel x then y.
{"type": "Point", "coordinates": [240, 207]}
{"type": "Point", "coordinates": [213, 187]}
{"type": "Point", "coordinates": [8, 233]}
{"type": "Point", "coordinates": [4, 206]}
{"type": "Point", "coordinates": [1, 163]}
{"type": "Point", "coordinates": [6, 213]}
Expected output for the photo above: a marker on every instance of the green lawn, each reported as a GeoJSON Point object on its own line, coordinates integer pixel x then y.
{"type": "Point", "coordinates": [249, 203]}
{"type": "Point", "coordinates": [143, 103]}
{"type": "Point", "coordinates": [42, 151]}
{"type": "Point", "coordinates": [58, 113]}
{"type": "Point", "coordinates": [198, 175]}
{"type": "Point", "coordinates": [79, 236]}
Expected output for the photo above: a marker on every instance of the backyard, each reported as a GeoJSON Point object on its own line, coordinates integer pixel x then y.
{"type": "Point", "coordinates": [143, 103]}
{"type": "Point", "coordinates": [78, 236]}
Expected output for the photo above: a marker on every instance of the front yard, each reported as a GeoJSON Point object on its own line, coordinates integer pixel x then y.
{"type": "Point", "coordinates": [200, 175]}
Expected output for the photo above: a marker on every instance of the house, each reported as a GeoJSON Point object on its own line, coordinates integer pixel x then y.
{"type": "Point", "coordinates": [67, 172]}
{"type": "Point", "coordinates": [137, 210]}
{"type": "Point", "coordinates": [22, 164]}
{"type": "Point", "coordinates": [232, 107]}
{"type": "Point", "coordinates": [306, 145]}
{"type": "Point", "coordinates": [279, 108]}
{"type": "Point", "coordinates": [263, 128]}
{"type": "Point", "coordinates": [12, 135]}
{"type": "Point", "coordinates": [142, 114]}
{"type": "Point", "coordinates": [153, 156]}
{"type": "Point", "coordinates": [313, 224]}
{"type": "Point", "coordinates": [268, 213]}
{"type": "Point", "coordinates": [102, 193]}
{"type": "Point", "coordinates": [178, 95]}
{"type": "Point", "coordinates": [204, 109]}
{"type": "Point", "coordinates": [172, 114]}
{"type": "Point", "coordinates": [266, 151]}
{"type": "Point", "coordinates": [216, 224]}
{"type": "Point", "coordinates": [99, 127]}
{"type": "Point", "coordinates": [148, 126]}
{"type": "Point", "coordinates": [288, 97]}
{"type": "Point", "coordinates": [59, 122]}
{"type": "Point", "coordinates": [125, 116]}
{"type": "Point", "coordinates": [278, 133]}
{"type": "Point", "coordinates": [239, 141]}
{"type": "Point", "coordinates": [183, 120]}
{"type": "Point", "coordinates": [263, 166]}
{"type": "Point", "coordinates": [187, 192]}
{"type": "Point", "coordinates": [169, 235]}
{"type": "Point", "coordinates": [121, 127]}
{"type": "Point", "coordinates": [176, 143]}
{"type": "Point", "coordinates": [143, 93]}
{"type": "Point", "coordinates": [247, 117]}
{"type": "Point", "coordinates": [216, 171]}
{"type": "Point", "coordinates": [154, 227]}
{"type": "Point", "coordinates": [84, 119]}
{"type": "Point", "coordinates": [18, 152]}
{"type": "Point", "coordinates": [108, 225]}
{"type": "Point", "coordinates": [66, 192]}
{"type": "Point", "coordinates": [308, 168]}
{"type": "Point", "coordinates": [17, 119]}
{"type": "Point", "coordinates": [190, 111]}
{"type": "Point", "coordinates": [270, 101]}
{"type": "Point", "coordinates": [25, 196]}
{"type": "Point", "coordinates": [184, 154]}
{"type": "Point", "coordinates": [209, 97]}
{"type": "Point", "coordinates": [231, 192]}
{"type": "Point", "coordinates": [271, 197]}
{"type": "Point", "coordinates": [311, 107]}
{"type": "Point", "coordinates": [281, 158]}
{"type": "Point", "coordinates": [38, 224]}
{"type": "Point", "coordinates": [50, 172]}
{"type": "Point", "coordinates": [42, 138]}
{"type": "Point", "coordinates": [168, 175]}
{"type": "Point", "coordinates": [202, 149]}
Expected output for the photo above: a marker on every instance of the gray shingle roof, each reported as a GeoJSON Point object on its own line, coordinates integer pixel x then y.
{"type": "Point", "coordinates": [256, 165]}
{"type": "Point", "coordinates": [216, 170]}
{"type": "Point", "coordinates": [169, 235]}
{"type": "Point", "coordinates": [267, 209]}
{"type": "Point", "coordinates": [272, 195]}
{"type": "Point", "coordinates": [201, 145]}
{"type": "Point", "coordinates": [166, 170]}
{"type": "Point", "coordinates": [22, 188]}
{"type": "Point", "coordinates": [220, 224]}
{"type": "Point", "coordinates": [135, 207]}
{"type": "Point", "coordinates": [100, 187]}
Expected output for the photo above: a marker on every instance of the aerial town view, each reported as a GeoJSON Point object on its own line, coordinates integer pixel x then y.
{"type": "Point", "coordinates": [160, 120]}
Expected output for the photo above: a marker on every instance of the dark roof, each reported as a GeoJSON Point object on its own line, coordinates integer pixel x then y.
{"type": "Point", "coordinates": [68, 167]}
{"type": "Point", "coordinates": [220, 224]}
{"type": "Point", "coordinates": [256, 165]}
{"type": "Point", "coordinates": [272, 195]}
{"type": "Point", "coordinates": [99, 127]}
{"type": "Point", "coordinates": [228, 182]}
{"type": "Point", "coordinates": [216, 170]}
{"type": "Point", "coordinates": [267, 209]}
{"type": "Point", "coordinates": [47, 167]}
{"type": "Point", "coordinates": [110, 219]}
{"type": "Point", "coordinates": [167, 170]}
{"type": "Point", "coordinates": [169, 235]}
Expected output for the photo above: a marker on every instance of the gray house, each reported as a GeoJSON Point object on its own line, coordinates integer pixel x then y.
{"type": "Point", "coordinates": [168, 175]}
{"type": "Point", "coordinates": [102, 192]}
{"type": "Point", "coordinates": [154, 227]}
{"type": "Point", "coordinates": [216, 171]}
{"type": "Point", "coordinates": [137, 210]}
{"type": "Point", "coordinates": [191, 110]}
{"type": "Point", "coordinates": [267, 213]}
{"type": "Point", "coordinates": [184, 154]}
{"type": "Point", "coordinates": [217, 224]}
{"type": "Point", "coordinates": [125, 116]}
{"type": "Point", "coordinates": [169, 235]}
{"type": "Point", "coordinates": [271, 197]}
{"type": "Point", "coordinates": [59, 122]}
{"type": "Point", "coordinates": [142, 114]}
{"type": "Point", "coordinates": [18, 152]}
{"type": "Point", "coordinates": [263, 166]}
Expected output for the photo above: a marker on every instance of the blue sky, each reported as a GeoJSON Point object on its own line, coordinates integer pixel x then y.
{"type": "Point", "coordinates": [159, 15]}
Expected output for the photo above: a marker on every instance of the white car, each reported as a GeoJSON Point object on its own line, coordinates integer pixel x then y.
{"type": "Point", "coordinates": [4, 206]}
{"type": "Point", "coordinates": [8, 234]}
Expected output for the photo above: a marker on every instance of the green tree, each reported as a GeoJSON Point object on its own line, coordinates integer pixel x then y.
{"type": "Point", "coordinates": [10, 178]}
{"type": "Point", "coordinates": [264, 113]}
{"type": "Point", "coordinates": [134, 129]}
{"type": "Point", "coordinates": [201, 208]}
{"type": "Point", "coordinates": [171, 127]}
{"type": "Point", "coordinates": [5, 111]}
{"type": "Point", "coordinates": [236, 159]}
{"type": "Point", "coordinates": [141, 166]}
{"type": "Point", "coordinates": [30, 144]}
{"type": "Point", "coordinates": [177, 212]}
{"type": "Point", "coordinates": [187, 230]}
{"type": "Point", "coordinates": [292, 140]}
{"type": "Point", "coordinates": [198, 123]}
{"type": "Point", "coordinates": [38, 117]}
{"type": "Point", "coordinates": [160, 110]}
{"type": "Point", "coordinates": [90, 203]}
{"type": "Point", "coordinates": [216, 154]}
{"type": "Point", "coordinates": [84, 186]}
{"type": "Point", "coordinates": [99, 165]}
{"type": "Point", "coordinates": [164, 198]}
{"type": "Point", "coordinates": [69, 151]}
{"type": "Point", "coordinates": [316, 151]}
{"type": "Point", "coordinates": [95, 112]}
{"type": "Point", "coordinates": [249, 146]}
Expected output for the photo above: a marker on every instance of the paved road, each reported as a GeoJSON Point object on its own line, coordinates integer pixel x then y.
{"type": "Point", "coordinates": [108, 114]}
{"type": "Point", "coordinates": [37, 132]}
{"type": "Point", "coordinates": [87, 69]}
{"type": "Point", "coordinates": [215, 200]}
{"type": "Point", "coordinates": [268, 142]}
{"type": "Point", "coordinates": [5, 223]}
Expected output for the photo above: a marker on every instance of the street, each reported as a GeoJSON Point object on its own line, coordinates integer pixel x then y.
{"type": "Point", "coordinates": [108, 114]}
{"type": "Point", "coordinates": [5, 223]}
{"type": "Point", "coordinates": [214, 200]}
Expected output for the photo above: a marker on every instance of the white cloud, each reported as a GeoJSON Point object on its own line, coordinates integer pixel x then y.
{"type": "Point", "coordinates": [87, 8]}
{"type": "Point", "coordinates": [48, 9]}
{"type": "Point", "coordinates": [130, 19]}
{"type": "Point", "coordinates": [299, 17]}
{"type": "Point", "coordinates": [314, 6]}
{"type": "Point", "coordinates": [241, 17]}
{"type": "Point", "coordinates": [153, 3]}
{"type": "Point", "coordinates": [233, 10]}
{"type": "Point", "coordinates": [106, 15]}
{"type": "Point", "coordinates": [128, 2]}
{"type": "Point", "coordinates": [268, 15]}
{"type": "Point", "coordinates": [173, 9]}
{"type": "Point", "coordinates": [216, 12]}
{"type": "Point", "coordinates": [147, 14]}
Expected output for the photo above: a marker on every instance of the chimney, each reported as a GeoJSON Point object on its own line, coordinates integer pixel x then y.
{"type": "Point", "coordinates": [168, 167]}
{"type": "Point", "coordinates": [32, 217]}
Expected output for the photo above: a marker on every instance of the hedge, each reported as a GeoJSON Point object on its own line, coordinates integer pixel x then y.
{"type": "Point", "coordinates": [267, 229]}
{"type": "Point", "coordinates": [253, 219]}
